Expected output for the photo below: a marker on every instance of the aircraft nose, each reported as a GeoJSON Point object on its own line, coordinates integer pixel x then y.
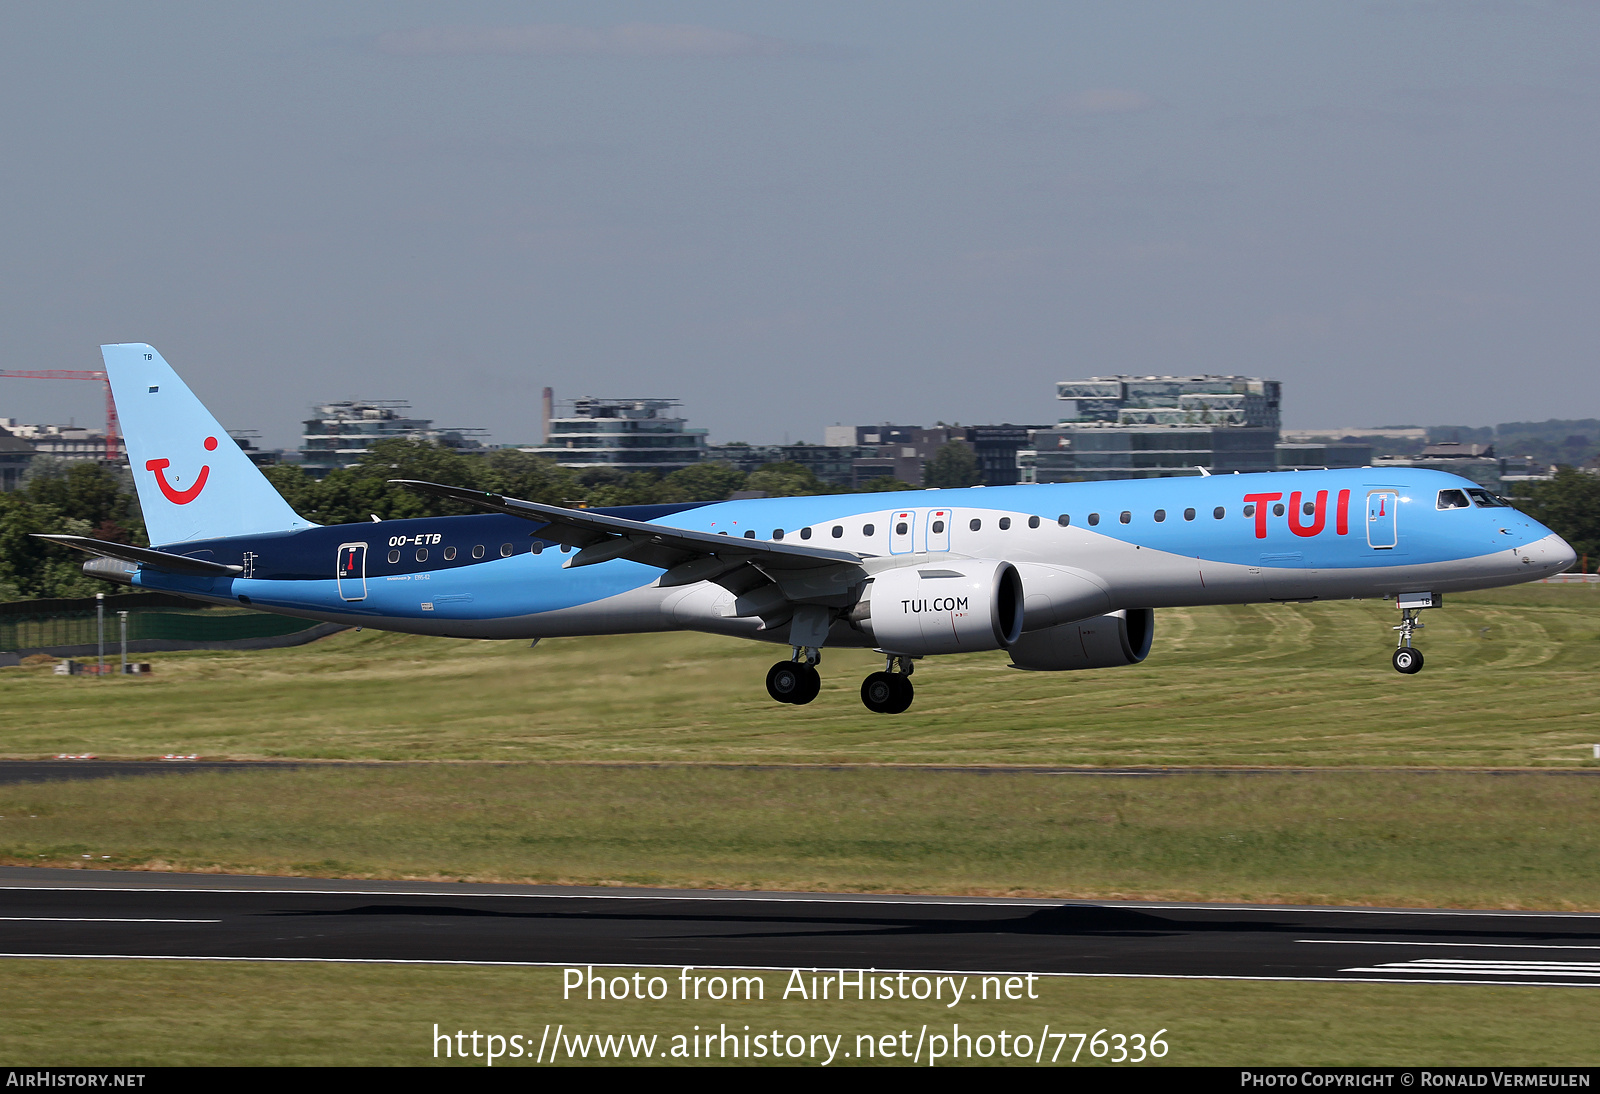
{"type": "Point", "coordinates": [1562, 556]}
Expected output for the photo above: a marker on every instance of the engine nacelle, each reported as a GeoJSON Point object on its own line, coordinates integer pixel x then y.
{"type": "Point", "coordinates": [942, 607]}
{"type": "Point", "coordinates": [1100, 642]}
{"type": "Point", "coordinates": [1060, 594]}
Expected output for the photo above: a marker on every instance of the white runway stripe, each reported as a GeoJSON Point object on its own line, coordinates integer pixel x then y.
{"type": "Point", "coordinates": [1450, 945]}
{"type": "Point", "coordinates": [1467, 967]}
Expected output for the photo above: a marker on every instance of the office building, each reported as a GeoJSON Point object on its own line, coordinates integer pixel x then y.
{"type": "Point", "coordinates": [622, 434]}
{"type": "Point", "coordinates": [339, 434]}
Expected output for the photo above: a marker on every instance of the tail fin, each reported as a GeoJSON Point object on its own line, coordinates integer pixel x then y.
{"type": "Point", "coordinates": [194, 481]}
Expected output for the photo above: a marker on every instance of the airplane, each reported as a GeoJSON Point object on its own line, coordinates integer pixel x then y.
{"type": "Point", "coordinates": [1059, 576]}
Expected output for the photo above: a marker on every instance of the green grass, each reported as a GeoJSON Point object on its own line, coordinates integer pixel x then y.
{"type": "Point", "coordinates": [1511, 680]}
{"type": "Point", "coordinates": [132, 1014]}
{"type": "Point", "coordinates": [1446, 839]}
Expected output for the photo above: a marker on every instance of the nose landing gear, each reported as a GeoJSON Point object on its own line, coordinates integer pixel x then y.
{"type": "Point", "coordinates": [1407, 658]}
{"type": "Point", "coordinates": [890, 691]}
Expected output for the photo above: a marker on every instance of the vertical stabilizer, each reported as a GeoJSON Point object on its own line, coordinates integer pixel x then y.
{"type": "Point", "coordinates": [194, 480]}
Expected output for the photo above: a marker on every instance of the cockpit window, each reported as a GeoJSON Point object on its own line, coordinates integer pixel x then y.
{"type": "Point", "coordinates": [1487, 500]}
{"type": "Point", "coordinates": [1453, 499]}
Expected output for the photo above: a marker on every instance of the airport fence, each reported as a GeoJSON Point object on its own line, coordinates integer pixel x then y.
{"type": "Point", "coordinates": [49, 624]}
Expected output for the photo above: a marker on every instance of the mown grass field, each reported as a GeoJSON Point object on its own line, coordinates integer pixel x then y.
{"type": "Point", "coordinates": [142, 1013]}
{"type": "Point", "coordinates": [1511, 680]}
{"type": "Point", "coordinates": [1511, 683]}
{"type": "Point", "coordinates": [1383, 838]}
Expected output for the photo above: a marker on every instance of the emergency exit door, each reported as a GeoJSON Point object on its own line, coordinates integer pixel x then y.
{"type": "Point", "coordinates": [352, 571]}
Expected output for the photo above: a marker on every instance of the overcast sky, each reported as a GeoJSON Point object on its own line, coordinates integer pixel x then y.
{"type": "Point", "coordinates": [794, 214]}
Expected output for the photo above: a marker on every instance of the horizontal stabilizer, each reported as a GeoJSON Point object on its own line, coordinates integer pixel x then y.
{"type": "Point", "coordinates": [145, 556]}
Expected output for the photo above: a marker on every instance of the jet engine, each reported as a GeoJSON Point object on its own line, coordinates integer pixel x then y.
{"type": "Point", "coordinates": [1099, 642]}
{"type": "Point", "coordinates": [944, 607]}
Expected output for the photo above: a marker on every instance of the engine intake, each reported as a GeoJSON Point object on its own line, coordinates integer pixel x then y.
{"type": "Point", "coordinates": [1099, 642]}
{"type": "Point", "coordinates": [945, 607]}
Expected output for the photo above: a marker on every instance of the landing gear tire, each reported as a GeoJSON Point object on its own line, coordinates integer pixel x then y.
{"type": "Point", "coordinates": [1407, 660]}
{"type": "Point", "coordinates": [793, 682]}
{"type": "Point", "coordinates": [886, 693]}
{"type": "Point", "coordinates": [811, 684]}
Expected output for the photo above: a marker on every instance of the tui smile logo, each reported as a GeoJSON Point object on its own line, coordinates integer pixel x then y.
{"type": "Point", "coordinates": [172, 493]}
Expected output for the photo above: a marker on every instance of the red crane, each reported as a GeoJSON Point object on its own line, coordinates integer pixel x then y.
{"type": "Point", "coordinates": [112, 454]}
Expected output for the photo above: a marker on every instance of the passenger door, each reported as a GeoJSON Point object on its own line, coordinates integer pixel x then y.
{"type": "Point", "coordinates": [1382, 533]}
{"type": "Point", "coordinates": [352, 571]}
{"type": "Point", "coordinates": [939, 529]}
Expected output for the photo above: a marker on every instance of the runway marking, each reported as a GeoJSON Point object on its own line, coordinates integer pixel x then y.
{"type": "Point", "coordinates": [723, 895]}
{"type": "Point", "coordinates": [1452, 945]}
{"type": "Point", "coordinates": [88, 919]}
{"type": "Point", "coordinates": [788, 968]}
{"type": "Point", "coordinates": [1468, 967]}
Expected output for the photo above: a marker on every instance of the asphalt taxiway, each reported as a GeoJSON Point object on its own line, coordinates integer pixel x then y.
{"type": "Point", "coordinates": [119, 914]}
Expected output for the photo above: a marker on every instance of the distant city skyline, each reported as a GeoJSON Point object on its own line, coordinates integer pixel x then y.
{"type": "Point", "coordinates": [789, 216]}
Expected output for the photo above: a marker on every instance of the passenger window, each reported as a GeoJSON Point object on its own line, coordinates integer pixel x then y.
{"type": "Point", "coordinates": [1033, 522]}
{"type": "Point", "coordinates": [1094, 518]}
{"type": "Point", "coordinates": [1219, 512]}
{"type": "Point", "coordinates": [1309, 508]}
{"type": "Point", "coordinates": [837, 531]}
{"type": "Point", "coordinates": [777, 533]}
{"type": "Point", "coordinates": [477, 552]}
{"type": "Point", "coordinates": [394, 556]}
{"type": "Point", "coordinates": [449, 554]}
{"type": "Point", "coordinates": [1161, 515]}
{"type": "Point", "coordinates": [1126, 516]}
{"type": "Point", "coordinates": [1277, 510]}
{"type": "Point", "coordinates": [1064, 520]}
{"type": "Point", "coordinates": [1249, 510]}
{"type": "Point", "coordinates": [869, 530]}
{"type": "Point", "coordinates": [505, 549]}
{"type": "Point", "coordinates": [749, 533]}
{"type": "Point", "coordinates": [1453, 499]}
{"type": "Point", "coordinates": [422, 554]}
{"type": "Point", "coordinates": [1005, 524]}
{"type": "Point", "coordinates": [900, 529]}
{"type": "Point", "coordinates": [975, 524]}
{"type": "Point", "coordinates": [805, 533]}
{"type": "Point", "coordinates": [1188, 514]}
{"type": "Point", "coordinates": [938, 526]}
{"type": "Point", "coordinates": [537, 548]}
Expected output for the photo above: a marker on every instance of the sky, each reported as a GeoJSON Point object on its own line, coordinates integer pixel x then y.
{"type": "Point", "coordinates": [790, 215]}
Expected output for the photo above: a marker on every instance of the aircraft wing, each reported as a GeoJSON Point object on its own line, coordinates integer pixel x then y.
{"type": "Point", "coordinates": [146, 556]}
{"type": "Point", "coordinates": [687, 556]}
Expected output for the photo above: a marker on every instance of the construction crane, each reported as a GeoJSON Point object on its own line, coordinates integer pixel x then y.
{"type": "Point", "coordinates": [112, 454]}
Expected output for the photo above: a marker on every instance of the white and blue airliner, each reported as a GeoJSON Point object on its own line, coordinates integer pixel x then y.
{"type": "Point", "coordinates": [1058, 577]}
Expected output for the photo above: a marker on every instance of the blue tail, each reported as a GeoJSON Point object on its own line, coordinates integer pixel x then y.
{"type": "Point", "coordinates": [194, 481]}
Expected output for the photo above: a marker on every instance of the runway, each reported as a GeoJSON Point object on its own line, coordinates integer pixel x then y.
{"type": "Point", "coordinates": [117, 914]}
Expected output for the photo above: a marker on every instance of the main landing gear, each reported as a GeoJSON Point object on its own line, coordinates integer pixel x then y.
{"type": "Point", "coordinates": [889, 691]}
{"type": "Point", "coordinates": [1407, 658]}
{"type": "Point", "coordinates": [797, 681]}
